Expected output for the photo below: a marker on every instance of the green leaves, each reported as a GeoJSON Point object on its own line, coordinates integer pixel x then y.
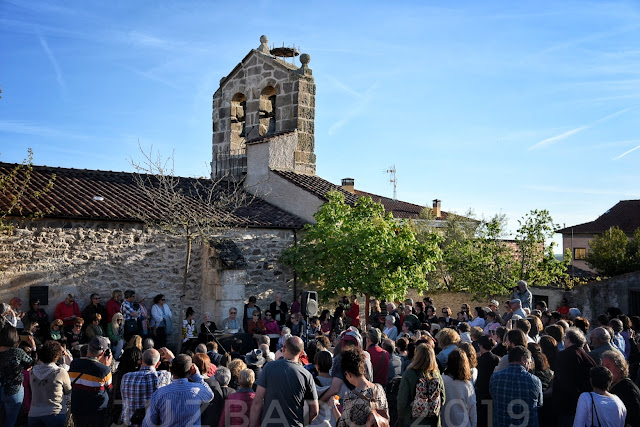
{"type": "Point", "coordinates": [477, 257]}
{"type": "Point", "coordinates": [612, 253]}
{"type": "Point", "coordinates": [361, 249]}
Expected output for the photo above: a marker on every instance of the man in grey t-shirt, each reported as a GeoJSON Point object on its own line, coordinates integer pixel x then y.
{"type": "Point", "coordinates": [283, 387]}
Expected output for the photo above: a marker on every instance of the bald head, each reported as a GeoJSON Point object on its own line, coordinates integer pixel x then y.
{"type": "Point", "coordinates": [600, 337]}
{"type": "Point", "coordinates": [294, 346]}
{"type": "Point", "coordinates": [150, 357]}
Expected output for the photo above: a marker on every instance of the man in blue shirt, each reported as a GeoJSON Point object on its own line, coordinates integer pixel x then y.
{"type": "Point", "coordinates": [516, 393]}
{"type": "Point", "coordinates": [178, 404]}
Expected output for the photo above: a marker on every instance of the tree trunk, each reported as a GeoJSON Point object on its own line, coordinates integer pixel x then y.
{"type": "Point", "coordinates": [366, 310]}
{"type": "Point", "coordinates": [185, 275]}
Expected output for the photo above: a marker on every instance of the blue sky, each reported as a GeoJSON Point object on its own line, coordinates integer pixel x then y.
{"type": "Point", "coordinates": [501, 107]}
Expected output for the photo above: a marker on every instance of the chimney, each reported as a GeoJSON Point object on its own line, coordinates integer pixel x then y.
{"type": "Point", "coordinates": [348, 184]}
{"type": "Point", "coordinates": [436, 208]}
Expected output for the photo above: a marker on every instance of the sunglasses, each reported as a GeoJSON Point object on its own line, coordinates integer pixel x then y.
{"type": "Point", "coordinates": [233, 312]}
{"type": "Point", "coordinates": [163, 299]}
{"type": "Point", "coordinates": [267, 315]}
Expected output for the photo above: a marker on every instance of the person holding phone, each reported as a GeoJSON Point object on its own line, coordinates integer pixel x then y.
{"type": "Point", "coordinates": [90, 384]}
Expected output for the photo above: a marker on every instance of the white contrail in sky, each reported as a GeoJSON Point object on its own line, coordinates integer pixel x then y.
{"type": "Point", "coordinates": [53, 61]}
{"type": "Point", "coordinates": [554, 139]}
{"type": "Point", "coordinates": [626, 152]}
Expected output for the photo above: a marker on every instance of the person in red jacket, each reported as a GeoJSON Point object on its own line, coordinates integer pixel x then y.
{"type": "Point", "coordinates": [114, 304]}
{"type": "Point", "coordinates": [354, 312]}
{"type": "Point", "coordinates": [68, 311]}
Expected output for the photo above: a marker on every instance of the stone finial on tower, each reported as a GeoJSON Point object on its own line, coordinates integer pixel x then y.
{"type": "Point", "coordinates": [264, 48]}
{"type": "Point", "coordinates": [304, 60]}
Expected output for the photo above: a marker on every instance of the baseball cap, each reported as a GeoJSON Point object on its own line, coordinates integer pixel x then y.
{"type": "Point", "coordinates": [515, 301]}
{"type": "Point", "coordinates": [99, 344]}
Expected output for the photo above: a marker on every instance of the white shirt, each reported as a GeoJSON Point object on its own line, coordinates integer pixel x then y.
{"type": "Point", "coordinates": [460, 405]}
{"type": "Point", "coordinates": [156, 314]}
{"type": "Point", "coordinates": [610, 411]}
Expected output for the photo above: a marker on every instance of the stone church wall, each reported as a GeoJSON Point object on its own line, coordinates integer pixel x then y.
{"type": "Point", "coordinates": [84, 257]}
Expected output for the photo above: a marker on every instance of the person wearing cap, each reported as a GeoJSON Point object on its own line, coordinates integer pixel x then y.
{"type": "Point", "coordinates": [283, 387]}
{"type": "Point", "coordinates": [178, 404]}
{"type": "Point", "coordinates": [255, 361]}
{"type": "Point", "coordinates": [90, 384]}
{"type": "Point", "coordinates": [516, 308]}
{"type": "Point", "coordinates": [494, 305]}
{"type": "Point", "coordinates": [379, 357]}
{"type": "Point", "coordinates": [67, 311]}
{"type": "Point", "coordinates": [522, 293]}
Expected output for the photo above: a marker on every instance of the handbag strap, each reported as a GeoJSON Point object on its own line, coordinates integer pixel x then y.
{"type": "Point", "coordinates": [593, 405]}
{"type": "Point", "coordinates": [381, 360]}
{"type": "Point", "coordinates": [371, 401]}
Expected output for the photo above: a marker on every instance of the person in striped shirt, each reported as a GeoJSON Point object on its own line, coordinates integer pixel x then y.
{"type": "Point", "coordinates": [138, 387]}
{"type": "Point", "coordinates": [90, 383]}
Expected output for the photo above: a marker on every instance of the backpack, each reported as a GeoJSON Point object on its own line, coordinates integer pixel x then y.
{"type": "Point", "coordinates": [428, 400]}
{"type": "Point", "coordinates": [393, 385]}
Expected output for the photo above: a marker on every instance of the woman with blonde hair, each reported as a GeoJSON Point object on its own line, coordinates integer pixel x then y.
{"type": "Point", "coordinates": [235, 366]}
{"type": "Point", "coordinates": [470, 351]}
{"type": "Point", "coordinates": [115, 332]}
{"type": "Point", "coordinates": [135, 341]}
{"type": "Point", "coordinates": [460, 408]}
{"type": "Point", "coordinates": [448, 340]}
{"type": "Point", "coordinates": [55, 331]}
{"type": "Point", "coordinates": [375, 314]}
{"type": "Point", "coordinates": [422, 370]}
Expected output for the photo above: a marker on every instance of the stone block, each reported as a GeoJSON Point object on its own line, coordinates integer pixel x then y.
{"type": "Point", "coordinates": [267, 67]}
{"type": "Point", "coordinates": [253, 71]}
{"type": "Point", "coordinates": [252, 61]}
{"type": "Point", "coordinates": [280, 75]}
{"type": "Point", "coordinates": [305, 142]}
{"type": "Point", "coordinates": [308, 113]}
{"type": "Point", "coordinates": [307, 126]}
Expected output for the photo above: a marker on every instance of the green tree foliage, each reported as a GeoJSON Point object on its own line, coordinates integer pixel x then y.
{"type": "Point", "coordinates": [477, 258]}
{"type": "Point", "coordinates": [612, 253]}
{"type": "Point", "coordinates": [16, 188]}
{"type": "Point", "coordinates": [538, 264]}
{"type": "Point", "coordinates": [361, 249]}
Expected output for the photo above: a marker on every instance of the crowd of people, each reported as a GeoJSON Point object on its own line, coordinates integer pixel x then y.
{"type": "Point", "coordinates": [407, 364]}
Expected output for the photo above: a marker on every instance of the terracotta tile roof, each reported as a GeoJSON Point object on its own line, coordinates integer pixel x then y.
{"type": "Point", "coordinates": [399, 208]}
{"type": "Point", "coordinates": [320, 187]}
{"type": "Point", "coordinates": [625, 214]}
{"type": "Point", "coordinates": [573, 271]}
{"type": "Point", "coordinates": [73, 192]}
{"type": "Point", "coordinates": [315, 185]}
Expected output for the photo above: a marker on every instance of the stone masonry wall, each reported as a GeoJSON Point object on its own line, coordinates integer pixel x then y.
{"type": "Point", "coordinates": [84, 257]}
{"type": "Point", "coordinates": [294, 108]}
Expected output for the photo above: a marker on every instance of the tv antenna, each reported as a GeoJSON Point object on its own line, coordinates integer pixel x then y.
{"type": "Point", "coordinates": [394, 180]}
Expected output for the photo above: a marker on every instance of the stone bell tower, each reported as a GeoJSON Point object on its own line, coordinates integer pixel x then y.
{"type": "Point", "coordinates": [265, 98]}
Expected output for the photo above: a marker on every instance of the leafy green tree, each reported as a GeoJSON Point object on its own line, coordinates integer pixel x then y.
{"type": "Point", "coordinates": [612, 253]}
{"type": "Point", "coordinates": [16, 187]}
{"type": "Point", "coordinates": [538, 264]}
{"type": "Point", "coordinates": [361, 249]}
{"type": "Point", "coordinates": [478, 258]}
